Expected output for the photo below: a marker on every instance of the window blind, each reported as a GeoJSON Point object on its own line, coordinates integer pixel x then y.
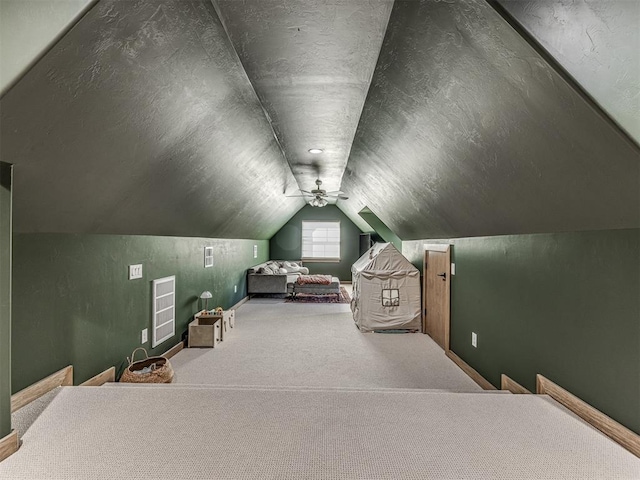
{"type": "Point", "coordinates": [320, 240]}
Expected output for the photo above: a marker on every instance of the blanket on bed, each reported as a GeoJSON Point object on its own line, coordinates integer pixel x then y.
{"type": "Point", "coordinates": [314, 279]}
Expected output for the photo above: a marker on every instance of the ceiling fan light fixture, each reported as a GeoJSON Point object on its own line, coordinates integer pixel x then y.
{"type": "Point", "coordinates": [318, 202]}
{"type": "Point", "coordinates": [315, 151]}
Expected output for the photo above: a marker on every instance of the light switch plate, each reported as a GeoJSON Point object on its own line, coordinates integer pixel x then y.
{"type": "Point", "coordinates": [474, 339]}
{"type": "Point", "coordinates": [235, 289]}
{"type": "Point", "coordinates": [144, 338]}
{"type": "Point", "coordinates": [255, 251]}
{"type": "Point", "coordinates": [453, 269]}
{"type": "Point", "coordinates": [135, 271]}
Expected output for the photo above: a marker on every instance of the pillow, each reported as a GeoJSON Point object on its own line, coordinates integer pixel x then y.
{"type": "Point", "coordinates": [314, 279]}
{"type": "Point", "coordinates": [283, 270]}
{"type": "Point", "coordinates": [293, 267]}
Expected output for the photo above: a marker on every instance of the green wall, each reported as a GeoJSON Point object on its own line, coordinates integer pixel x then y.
{"type": "Point", "coordinates": [73, 302]}
{"type": "Point", "coordinates": [5, 298]}
{"type": "Point", "coordinates": [380, 228]}
{"type": "Point", "coordinates": [286, 244]}
{"type": "Point", "coordinates": [565, 305]}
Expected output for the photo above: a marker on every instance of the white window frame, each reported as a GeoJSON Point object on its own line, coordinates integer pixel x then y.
{"type": "Point", "coordinates": [155, 340]}
{"type": "Point", "coordinates": [305, 245]}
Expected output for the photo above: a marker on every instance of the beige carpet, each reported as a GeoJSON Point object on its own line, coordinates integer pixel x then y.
{"type": "Point", "coordinates": [22, 419]}
{"type": "Point", "coordinates": [297, 392]}
{"type": "Point", "coordinates": [288, 344]}
{"type": "Point", "coordinates": [176, 432]}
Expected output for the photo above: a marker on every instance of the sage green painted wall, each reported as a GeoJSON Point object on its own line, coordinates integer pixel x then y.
{"type": "Point", "coordinates": [286, 244]}
{"type": "Point", "coordinates": [5, 298]}
{"type": "Point", "coordinates": [73, 302]}
{"type": "Point", "coordinates": [565, 305]}
{"type": "Point", "coordinates": [380, 228]}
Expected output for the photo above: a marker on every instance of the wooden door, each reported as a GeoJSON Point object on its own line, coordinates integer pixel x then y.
{"type": "Point", "coordinates": [437, 270]}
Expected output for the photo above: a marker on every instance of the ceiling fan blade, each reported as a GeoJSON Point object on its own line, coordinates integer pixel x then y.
{"type": "Point", "coordinates": [335, 192]}
{"type": "Point", "coordinates": [303, 195]}
{"type": "Point", "coordinates": [337, 195]}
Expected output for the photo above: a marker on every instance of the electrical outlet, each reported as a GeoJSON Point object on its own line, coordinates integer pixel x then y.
{"type": "Point", "coordinates": [135, 271]}
{"type": "Point", "coordinates": [255, 251]}
{"type": "Point", "coordinates": [474, 339]}
{"type": "Point", "coordinates": [145, 336]}
{"type": "Point", "coordinates": [235, 289]}
{"type": "Point", "coordinates": [453, 269]}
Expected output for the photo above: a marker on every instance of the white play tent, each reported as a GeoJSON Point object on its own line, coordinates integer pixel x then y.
{"type": "Point", "coordinates": [386, 290]}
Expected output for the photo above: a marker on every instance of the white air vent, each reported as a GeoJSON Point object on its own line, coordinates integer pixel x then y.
{"type": "Point", "coordinates": [208, 257]}
{"type": "Point", "coordinates": [164, 309]}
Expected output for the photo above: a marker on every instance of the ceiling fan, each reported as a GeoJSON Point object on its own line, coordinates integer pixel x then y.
{"type": "Point", "coordinates": [319, 196]}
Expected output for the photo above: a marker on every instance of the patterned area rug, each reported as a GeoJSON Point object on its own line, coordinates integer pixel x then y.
{"type": "Point", "coordinates": [308, 298]}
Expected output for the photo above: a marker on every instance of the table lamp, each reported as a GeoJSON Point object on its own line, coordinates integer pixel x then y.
{"type": "Point", "coordinates": [206, 295]}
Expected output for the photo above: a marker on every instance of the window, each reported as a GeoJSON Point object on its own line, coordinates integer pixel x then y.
{"type": "Point", "coordinates": [321, 241]}
{"type": "Point", "coordinates": [390, 297]}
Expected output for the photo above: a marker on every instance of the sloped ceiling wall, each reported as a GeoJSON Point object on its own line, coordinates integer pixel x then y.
{"type": "Point", "coordinates": [597, 42]}
{"type": "Point", "coordinates": [311, 62]}
{"type": "Point", "coordinates": [28, 28]}
{"type": "Point", "coordinates": [467, 132]}
{"type": "Point", "coordinates": [142, 121]}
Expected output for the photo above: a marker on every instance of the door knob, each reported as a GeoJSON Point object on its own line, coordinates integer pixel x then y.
{"type": "Point", "coordinates": [443, 275]}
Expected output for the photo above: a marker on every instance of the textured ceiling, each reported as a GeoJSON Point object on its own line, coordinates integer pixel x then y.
{"type": "Point", "coordinates": [193, 118]}
{"type": "Point", "coordinates": [310, 62]}
{"type": "Point", "coordinates": [142, 121]}
{"type": "Point", "coordinates": [27, 28]}
{"type": "Point", "coordinates": [467, 132]}
{"type": "Point", "coordinates": [597, 42]}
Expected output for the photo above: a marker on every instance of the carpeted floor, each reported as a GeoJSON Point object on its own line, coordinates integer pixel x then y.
{"type": "Point", "coordinates": [177, 432]}
{"type": "Point", "coordinates": [297, 392]}
{"type": "Point", "coordinates": [23, 418]}
{"type": "Point", "coordinates": [291, 344]}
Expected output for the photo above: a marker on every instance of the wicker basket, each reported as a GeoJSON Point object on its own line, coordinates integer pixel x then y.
{"type": "Point", "coordinates": [162, 373]}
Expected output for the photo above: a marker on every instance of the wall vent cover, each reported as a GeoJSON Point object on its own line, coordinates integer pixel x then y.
{"type": "Point", "coordinates": [164, 309]}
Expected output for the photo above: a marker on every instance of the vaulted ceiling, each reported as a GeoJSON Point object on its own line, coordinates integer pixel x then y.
{"type": "Point", "coordinates": [444, 119]}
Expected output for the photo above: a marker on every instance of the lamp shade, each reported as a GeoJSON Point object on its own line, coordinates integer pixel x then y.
{"type": "Point", "coordinates": [318, 202]}
{"type": "Point", "coordinates": [206, 295]}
